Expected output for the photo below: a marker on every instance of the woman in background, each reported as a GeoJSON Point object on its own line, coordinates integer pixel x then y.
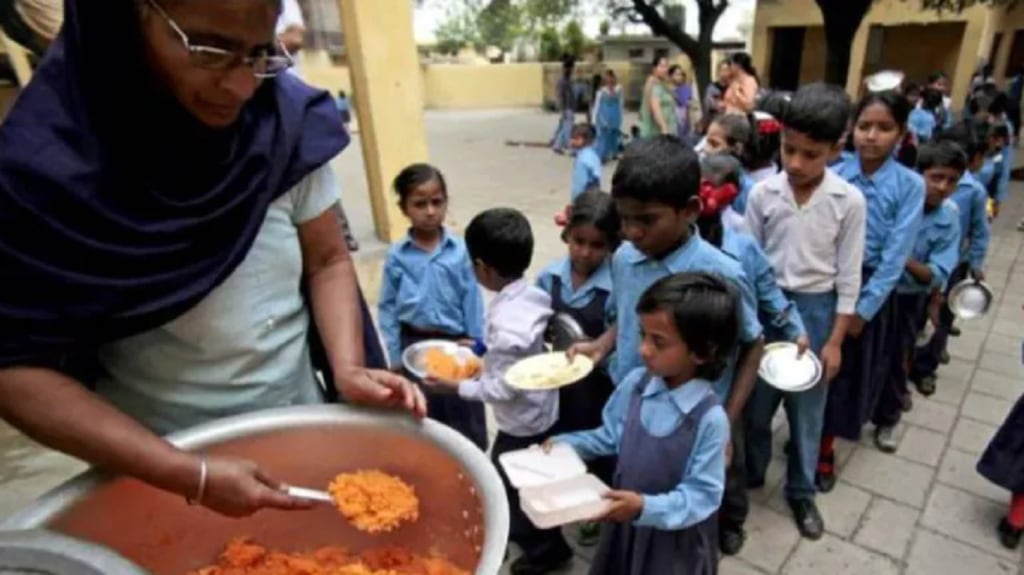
{"type": "Point", "coordinates": [684, 98]}
{"type": "Point", "coordinates": [608, 113]}
{"type": "Point", "coordinates": [658, 109]}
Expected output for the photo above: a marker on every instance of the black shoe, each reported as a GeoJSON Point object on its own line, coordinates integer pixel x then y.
{"type": "Point", "coordinates": [944, 358]}
{"type": "Point", "coordinates": [543, 564]}
{"type": "Point", "coordinates": [730, 540]}
{"type": "Point", "coordinates": [807, 518]}
{"type": "Point", "coordinates": [954, 331]}
{"type": "Point", "coordinates": [926, 385]}
{"type": "Point", "coordinates": [1009, 535]}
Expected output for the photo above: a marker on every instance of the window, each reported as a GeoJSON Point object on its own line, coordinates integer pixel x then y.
{"type": "Point", "coordinates": [637, 53]}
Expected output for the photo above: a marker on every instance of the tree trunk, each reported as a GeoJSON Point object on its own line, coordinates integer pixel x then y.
{"type": "Point", "coordinates": [842, 19]}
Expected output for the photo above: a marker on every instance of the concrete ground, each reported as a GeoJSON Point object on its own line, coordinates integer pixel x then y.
{"type": "Point", "coordinates": [922, 511]}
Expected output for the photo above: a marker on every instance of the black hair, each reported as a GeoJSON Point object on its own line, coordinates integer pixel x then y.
{"type": "Point", "coordinates": [972, 137]}
{"type": "Point", "coordinates": [584, 130]}
{"type": "Point", "coordinates": [739, 129]}
{"type": "Point", "coordinates": [936, 76]}
{"type": "Point", "coordinates": [658, 57]}
{"type": "Point", "coordinates": [501, 238]}
{"type": "Point", "coordinates": [911, 88]}
{"type": "Point", "coordinates": [942, 154]}
{"type": "Point", "coordinates": [610, 72]}
{"type": "Point", "coordinates": [999, 131]}
{"type": "Point", "coordinates": [744, 61]}
{"type": "Point", "coordinates": [1000, 102]}
{"type": "Point", "coordinates": [819, 111]}
{"type": "Point", "coordinates": [764, 145]}
{"type": "Point", "coordinates": [673, 68]}
{"type": "Point", "coordinates": [978, 103]}
{"type": "Point", "coordinates": [931, 99]}
{"type": "Point", "coordinates": [719, 169]}
{"type": "Point", "coordinates": [895, 102]}
{"type": "Point", "coordinates": [659, 169]}
{"type": "Point", "coordinates": [704, 308]}
{"type": "Point", "coordinates": [416, 175]}
{"type": "Point", "coordinates": [596, 208]}
{"type": "Point", "coordinates": [342, 94]}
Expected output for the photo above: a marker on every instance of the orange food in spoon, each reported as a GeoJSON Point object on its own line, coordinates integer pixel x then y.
{"type": "Point", "coordinates": [374, 501]}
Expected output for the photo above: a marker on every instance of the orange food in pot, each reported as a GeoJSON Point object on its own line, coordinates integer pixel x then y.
{"type": "Point", "coordinates": [244, 557]}
{"type": "Point", "coordinates": [374, 501]}
{"type": "Point", "coordinates": [448, 367]}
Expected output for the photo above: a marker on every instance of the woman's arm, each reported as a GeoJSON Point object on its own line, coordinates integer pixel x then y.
{"type": "Point", "coordinates": [87, 427]}
{"type": "Point", "coordinates": [331, 274]}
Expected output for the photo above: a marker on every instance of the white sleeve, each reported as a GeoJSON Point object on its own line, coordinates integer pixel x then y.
{"type": "Point", "coordinates": [314, 195]}
{"type": "Point", "coordinates": [291, 15]}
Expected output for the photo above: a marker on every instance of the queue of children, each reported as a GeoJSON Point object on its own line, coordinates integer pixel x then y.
{"type": "Point", "coordinates": [678, 277]}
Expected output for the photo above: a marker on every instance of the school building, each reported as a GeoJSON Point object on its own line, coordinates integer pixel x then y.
{"type": "Point", "coordinates": [789, 47]}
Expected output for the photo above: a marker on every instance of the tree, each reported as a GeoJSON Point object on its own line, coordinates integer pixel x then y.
{"type": "Point", "coordinates": [575, 40]}
{"type": "Point", "coordinates": [550, 45]}
{"type": "Point", "coordinates": [499, 24]}
{"type": "Point", "coordinates": [606, 27]}
{"type": "Point", "coordinates": [651, 13]}
{"type": "Point", "coordinates": [457, 31]}
{"type": "Point", "coordinates": [843, 18]}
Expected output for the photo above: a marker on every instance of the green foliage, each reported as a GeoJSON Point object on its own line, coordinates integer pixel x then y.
{"type": "Point", "coordinates": [575, 40]}
{"type": "Point", "coordinates": [457, 31]}
{"type": "Point", "coordinates": [550, 45]}
{"type": "Point", "coordinates": [606, 27]}
{"type": "Point", "coordinates": [499, 24]}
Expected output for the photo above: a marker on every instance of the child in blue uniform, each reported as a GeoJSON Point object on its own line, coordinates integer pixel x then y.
{"type": "Point", "coordinates": [894, 196]}
{"type": "Point", "coordinates": [670, 433]}
{"type": "Point", "coordinates": [995, 172]}
{"type": "Point", "coordinates": [655, 188]}
{"type": "Point", "coordinates": [580, 285]}
{"type": "Point", "coordinates": [608, 114]}
{"type": "Point", "coordinates": [500, 244]}
{"type": "Point", "coordinates": [810, 223]}
{"type": "Point", "coordinates": [922, 122]}
{"type": "Point", "coordinates": [721, 173]}
{"type": "Point", "coordinates": [586, 169]}
{"type": "Point", "coordinates": [428, 291]}
{"type": "Point", "coordinates": [970, 197]}
{"type": "Point", "coordinates": [935, 254]}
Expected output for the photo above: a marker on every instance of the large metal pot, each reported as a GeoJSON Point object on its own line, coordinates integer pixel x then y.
{"type": "Point", "coordinates": [463, 508]}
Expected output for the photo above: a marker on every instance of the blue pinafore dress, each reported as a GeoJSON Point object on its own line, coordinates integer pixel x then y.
{"type": "Point", "coordinates": [649, 464]}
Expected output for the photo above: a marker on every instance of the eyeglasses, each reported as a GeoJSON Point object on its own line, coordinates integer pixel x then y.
{"type": "Point", "coordinates": [265, 65]}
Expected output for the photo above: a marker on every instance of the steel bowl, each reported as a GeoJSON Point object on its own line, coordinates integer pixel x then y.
{"type": "Point", "coordinates": [970, 299]}
{"type": "Point", "coordinates": [563, 331]}
{"type": "Point", "coordinates": [414, 356]}
{"type": "Point", "coordinates": [463, 508]}
{"type": "Point", "coordinates": [44, 552]}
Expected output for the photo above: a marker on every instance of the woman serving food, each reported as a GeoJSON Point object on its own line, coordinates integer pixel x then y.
{"type": "Point", "coordinates": [169, 238]}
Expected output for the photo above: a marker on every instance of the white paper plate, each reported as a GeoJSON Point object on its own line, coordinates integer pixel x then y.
{"type": "Point", "coordinates": [783, 370]}
{"type": "Point", "coordinates": [548, 371]}
{"type": "Point", "coordinates": [531, 467]}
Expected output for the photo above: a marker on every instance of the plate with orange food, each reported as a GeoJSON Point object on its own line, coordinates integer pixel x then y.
{"type": "Point", "coordinates": [444, 360]}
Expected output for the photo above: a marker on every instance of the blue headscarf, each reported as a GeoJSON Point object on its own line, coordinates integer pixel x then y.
{"type": "Point", "coordinates": [118, 211]}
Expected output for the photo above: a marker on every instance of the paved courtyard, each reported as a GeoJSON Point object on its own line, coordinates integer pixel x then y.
{"type": "Point", "coordinates": [922, 511]}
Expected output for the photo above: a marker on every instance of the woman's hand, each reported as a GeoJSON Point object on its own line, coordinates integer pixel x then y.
{"type": "Point", "coordinates": [239, 488]}
{"type": "Point", "coordinates": [381, 389]}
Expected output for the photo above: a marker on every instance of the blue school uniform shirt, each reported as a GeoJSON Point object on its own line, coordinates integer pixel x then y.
{"type": "Point", "coordinates": [600, 280]}
{"type": "Point", "coordinates": [895, 196]}
{"type": "Point", "coordinates": [842, 158]}
{"type": "Point", "coordinates": [633, 272]}
{"type": "Point", "coordinates": [434, 291]}
{"type": "Point", "coordinates": [698, 494]}
{"type": "Point", "coordinates": [739, 205]}
{"type": "Point", "coordinates": [994, 175]}
{"type": "Point", "coordinates": [971, 200]}
{"type": "Point", "coordinates": [586, 171]}
{"type": "Point", "coordinates": [922, 124]}
{"type": "Point", "coordinates": [938, 246]}
{"type": "Point", "coordinates": [772, 305]}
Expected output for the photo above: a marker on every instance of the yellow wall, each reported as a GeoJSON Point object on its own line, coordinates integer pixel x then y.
{"type": "Point", "coordinates": [979, 23]}
{"type": "Point", "coordinates": [812, 63]}
{"type": "Point", "coordinates": [454, 86]}
{"type": "Point", "coordinates": [934, 47]}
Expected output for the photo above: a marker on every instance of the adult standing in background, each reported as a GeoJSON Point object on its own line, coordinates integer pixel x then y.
{"type": "Point", "coordinates": [741, 95]}
{"type": "Point", "coordinates": [565, 97]}
{"type": "Point", "coordinates": [683, 91]}
{"type": "Point", "coordinates": [714, 93]}
{"type": "Point", "coordinates": [658, 109]}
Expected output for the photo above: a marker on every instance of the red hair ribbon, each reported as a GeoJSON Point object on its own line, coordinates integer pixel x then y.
{"type": "Point", "coordinates": [714, 198]}
{"type": "Point", "coordinates": [770, 126]}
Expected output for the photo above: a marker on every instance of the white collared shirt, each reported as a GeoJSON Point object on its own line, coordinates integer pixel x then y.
{"type": "Point", "coordinates": [817, 247]}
